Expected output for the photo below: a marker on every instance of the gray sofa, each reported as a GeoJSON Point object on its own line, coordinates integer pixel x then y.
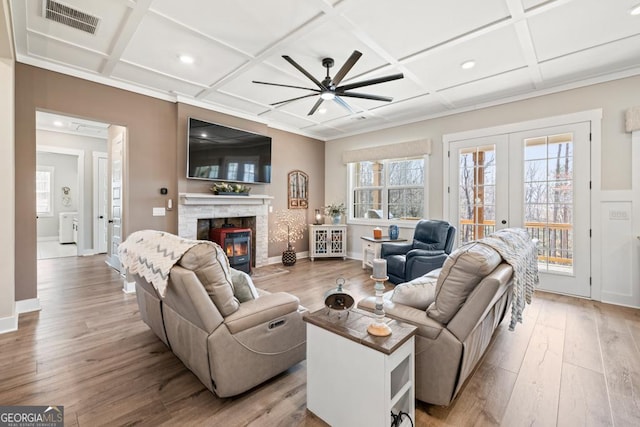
{"type": "Point", "coordinates": [456, 309]}
{"type": "Point", "coordinates": [230, 335]}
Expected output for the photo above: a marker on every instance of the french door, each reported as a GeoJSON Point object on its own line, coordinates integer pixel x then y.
{"type": "Point", "coordinates": [538, 180]}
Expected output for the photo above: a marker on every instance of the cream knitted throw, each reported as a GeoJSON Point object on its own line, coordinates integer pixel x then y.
{"type": "Point", "coordinates": [517, 249]}
{"type": "Point", "coordinates": [151, 254]}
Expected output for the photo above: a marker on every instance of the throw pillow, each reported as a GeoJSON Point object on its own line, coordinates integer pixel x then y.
{"type": "Point", "coordinates": [460, 274]}
{"type": "Point", "coordinates": [210, 264]}
{"type": "Point", "coordinates": [418, 293]}
{"type": "Point", "coordinates": [243, 288]}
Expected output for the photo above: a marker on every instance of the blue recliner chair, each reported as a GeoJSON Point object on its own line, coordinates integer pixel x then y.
{"type": "Point", "coordinates": [432, 243]}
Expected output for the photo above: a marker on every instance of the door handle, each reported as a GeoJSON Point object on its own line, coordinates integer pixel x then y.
{"type": "Point", "coordinates": [504, 221]}
{"type": "Point", "coordinates": [110, 221]}
{"type": "Point", "coordinates": [101, 217]}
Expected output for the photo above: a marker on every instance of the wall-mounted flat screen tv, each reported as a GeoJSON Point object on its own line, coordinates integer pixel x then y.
{"type": "Point", "coordinates": [221, 153]}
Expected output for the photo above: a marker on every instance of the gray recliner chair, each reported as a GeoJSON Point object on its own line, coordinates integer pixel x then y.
{"type": "Point", "coordinates": [432, 242]}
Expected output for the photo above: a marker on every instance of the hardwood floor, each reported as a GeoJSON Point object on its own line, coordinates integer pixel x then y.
{"type": "Point", "coordinates": [572, 362]}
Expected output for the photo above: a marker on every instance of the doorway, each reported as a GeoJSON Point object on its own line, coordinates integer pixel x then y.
{"type": "Point", "coordinates": [537, 179]}
{"type": "Point", "coordinates": [58, 196]}
{"type": "Point", "coordinates": [65, 186]}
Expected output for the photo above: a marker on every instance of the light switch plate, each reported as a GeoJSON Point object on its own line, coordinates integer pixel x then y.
{"type": "Point", "coordinates": [159, 212]}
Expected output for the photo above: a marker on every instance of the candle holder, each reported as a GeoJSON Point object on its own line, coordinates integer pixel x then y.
{"type": "Point", "coordinates": [378, 327]}
{"type": "Point", "coordinates": [318, 217]}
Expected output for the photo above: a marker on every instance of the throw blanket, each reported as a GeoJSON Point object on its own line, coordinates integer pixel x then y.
{"type": "Point", "coordinates": [151, 254]}
{"type": "Point", "coordinates": [517, 249]}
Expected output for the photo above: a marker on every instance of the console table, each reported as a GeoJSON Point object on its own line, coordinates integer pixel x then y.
{"type": "Point", "coordinates": [371, 248]}
{"type": "Point", "coordinates": [327, 240]}
{"type": "Point", "coordinates": [356, 379]}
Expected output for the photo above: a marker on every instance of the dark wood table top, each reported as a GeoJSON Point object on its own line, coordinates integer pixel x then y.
{"type": "Point", "coordinates": [353, 325]}
{"type": "Point", "coordinates": [383, 239]}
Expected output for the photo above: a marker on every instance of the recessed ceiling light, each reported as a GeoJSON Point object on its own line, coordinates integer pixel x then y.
{"type": "Point", "coordinates": [635, 10]}
{"type": "Point", "coordinates": [322, 110]}
{"type": "Point", "coordinates": [467, 65]}
{"type": "Point", "coordinates": [186, 59]}
{"type": "Point", "coordinates": [58, 123]}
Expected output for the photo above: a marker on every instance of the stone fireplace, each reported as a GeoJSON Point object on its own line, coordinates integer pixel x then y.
{"type": "Point", "coordinates": [211, 208]}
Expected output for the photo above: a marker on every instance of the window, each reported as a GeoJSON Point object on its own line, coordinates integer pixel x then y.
{"type": "Point", "coordinates": [249, 172]}
{"type": "Point", "coordinates": [232, 171]}
{"type": "Point", "coordinates": [388, 189]}
{"type": "Point", "coordinates": [44, 188]}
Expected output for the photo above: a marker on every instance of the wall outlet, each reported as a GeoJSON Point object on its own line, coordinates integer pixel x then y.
{"type": "Point", "coordinates": [616, 214]}
{"type": "Point", "coordinates": [159, 212]}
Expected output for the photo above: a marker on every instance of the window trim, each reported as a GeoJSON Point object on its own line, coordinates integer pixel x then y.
{"type": "Point", "coordinates": [51, 171]}
{"type": "Point", "coordinates": [403, 223]}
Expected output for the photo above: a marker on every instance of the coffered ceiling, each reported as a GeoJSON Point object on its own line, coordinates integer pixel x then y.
{"type": "Point", "coordinates": [520, 48]}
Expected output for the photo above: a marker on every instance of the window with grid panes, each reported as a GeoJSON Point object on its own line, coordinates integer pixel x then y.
{"type": "Point", "coordinates": [388, 189]}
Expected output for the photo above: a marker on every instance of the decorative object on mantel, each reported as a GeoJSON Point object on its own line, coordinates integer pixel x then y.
{"type": "Point", "coordinates": [226, 189]}
{"type": "Point", "coordinates": [378, 327]}
{"type": "Point", "coordinates": [339, 299]}
{"type": "Point", "coordinates": [289, 226]}
{"type": "Point", "coordinates": [298, 194]}
{"type": "Point", "coordinates": [335, 211]}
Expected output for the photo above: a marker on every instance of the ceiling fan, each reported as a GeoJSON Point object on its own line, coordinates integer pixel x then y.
{"type": "Point", "coordinates": [328, 88]}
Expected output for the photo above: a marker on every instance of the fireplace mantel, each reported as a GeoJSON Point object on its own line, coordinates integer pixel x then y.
{"type": "Point", "coordinates": [195, 206]}
{"type": "Point", "coordinates": [212, 199]}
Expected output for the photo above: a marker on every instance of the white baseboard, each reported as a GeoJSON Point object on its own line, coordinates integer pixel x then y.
{"type": "Point", "coordinates": [9, 324]}
{"type": "Point", "coordinates": [48, 239]}
{"type": "Point", "coordinates": [28, 305]}
{"type": "Point", "coordinates": [278, 259]}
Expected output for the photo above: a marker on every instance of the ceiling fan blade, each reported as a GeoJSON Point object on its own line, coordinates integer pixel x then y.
{"type": "Point", "coordinates": [303, 71]}
{"type": "Point", "coordinates": [294, 99]}
{"type": "Point", "coordinates": [365, 96]}
{"type": "Point", "coordinates": [315, 106]}
{"type": "Point", "coordinates": [281, 85]}
{"type": "Point", "coordinates": [346, 67]}
{"type": "Point", "coordinates": [342, 103]}
{"type": "Point", "coordinates": [370, 82]}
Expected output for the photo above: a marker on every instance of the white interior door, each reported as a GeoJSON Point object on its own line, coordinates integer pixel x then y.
{"type": "Point", "coordinates": [538, 180]}
{"type": "Point", "coordinates": [115, 200]}
{"type": "Point", "coordinates": [101, 204]}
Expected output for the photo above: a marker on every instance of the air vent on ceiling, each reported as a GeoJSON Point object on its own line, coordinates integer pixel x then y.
{"type": "Point", "coordinates": [69, 16]}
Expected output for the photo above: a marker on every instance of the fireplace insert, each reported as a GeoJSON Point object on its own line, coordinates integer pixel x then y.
{"type": "Point", "coordinates": [236, 243]}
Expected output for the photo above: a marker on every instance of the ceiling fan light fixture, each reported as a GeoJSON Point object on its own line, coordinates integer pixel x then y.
{"type": "Point", "coordinates": [635, 11]}
{"type": "Point", "coordinates": [327, 96]}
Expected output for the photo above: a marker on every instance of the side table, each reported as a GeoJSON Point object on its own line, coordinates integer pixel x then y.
{"type": "Point", "coordinates": [371, 248]}
{"type": "Point", "coordinates": [356, 379]}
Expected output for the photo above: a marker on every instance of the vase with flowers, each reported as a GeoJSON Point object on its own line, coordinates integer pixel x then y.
{"type": "Point", "coordinates": [335, 211]}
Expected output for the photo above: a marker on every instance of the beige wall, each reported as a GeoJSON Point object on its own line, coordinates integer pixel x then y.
{"type": "Point", "coordinates": [289, 152]}
{"type": "Point", "coordinates": [7, 192]}
{"type": "Point", "coordinates": [151, 136]}
{"type": "Point", "coordinates": [155, 154]}
{"type": "Point", "coordinates": [613, 97]}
